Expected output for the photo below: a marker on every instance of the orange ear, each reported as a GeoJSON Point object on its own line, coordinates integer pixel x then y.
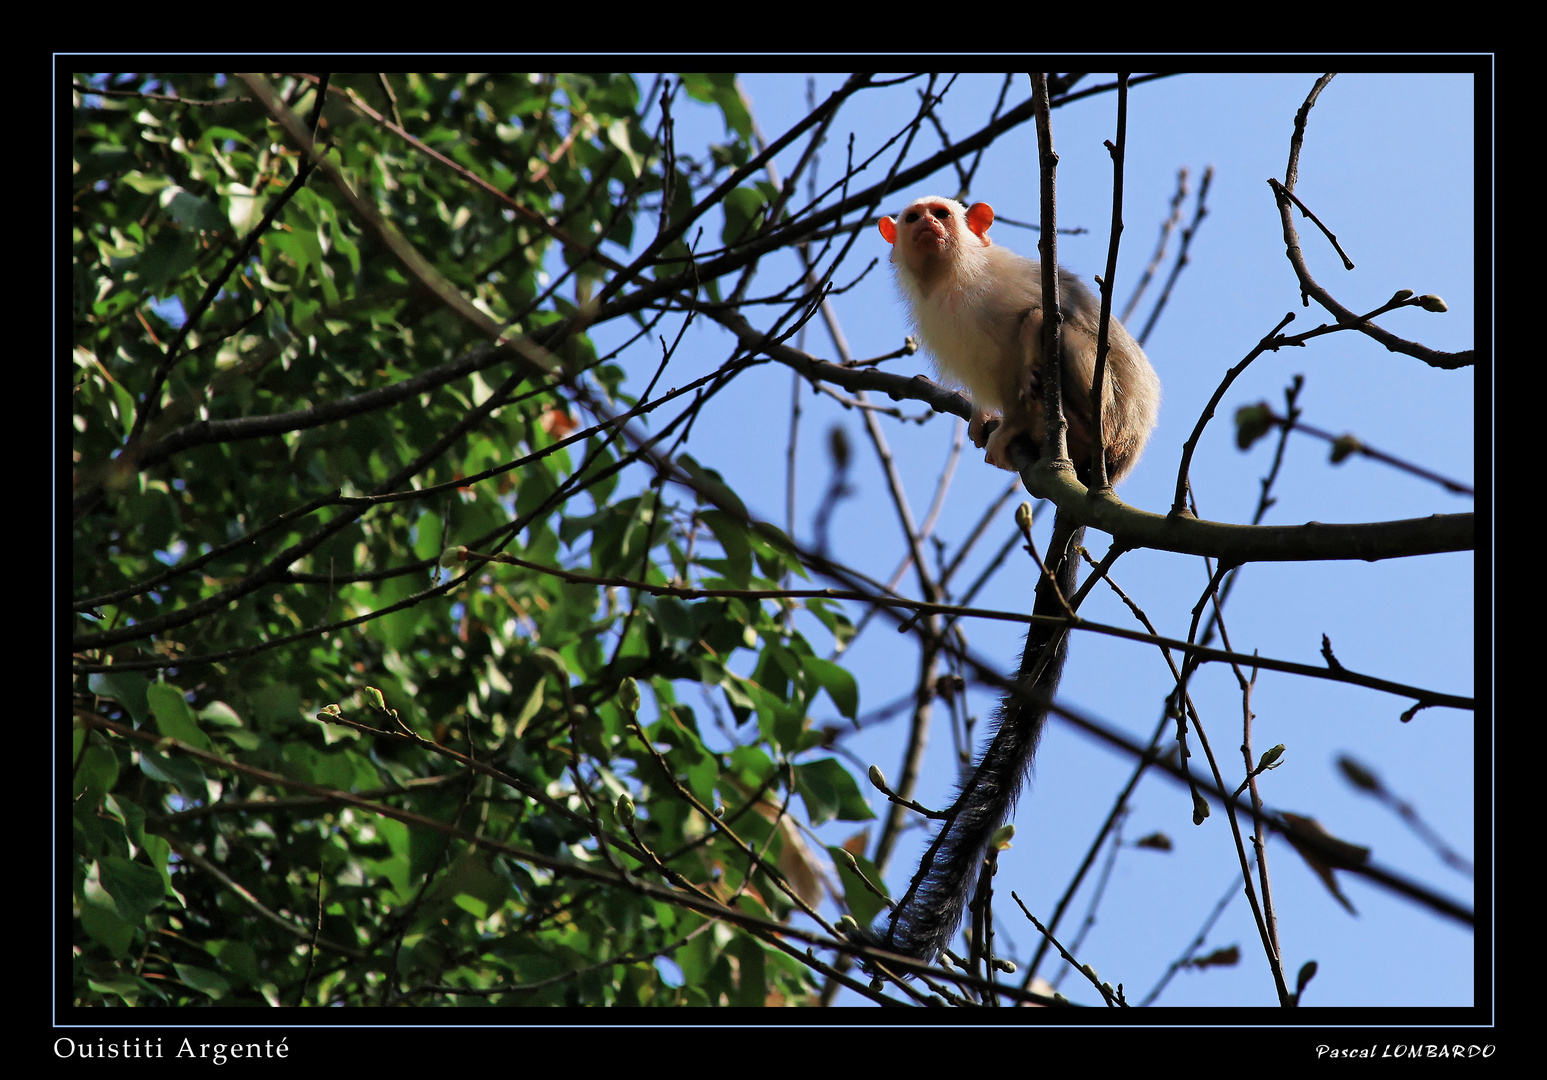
{"type": "Point", "coordinates": [889, 229]}
{"type": "Point", "coordinates": [979, 217]}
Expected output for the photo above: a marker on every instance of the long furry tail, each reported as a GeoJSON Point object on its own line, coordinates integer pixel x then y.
{"type": "Point", "coordinates": [931, 910]}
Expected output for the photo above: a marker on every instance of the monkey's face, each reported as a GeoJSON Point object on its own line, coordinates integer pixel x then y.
{"type": "Point", "coordinates": [925, 236]}
{"type": "Point", "coordinates": [929, 226]}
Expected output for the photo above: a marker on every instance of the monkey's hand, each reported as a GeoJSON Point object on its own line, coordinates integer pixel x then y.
{"type": "Point", "coordinates": [981, 427]}
{"type": "Point", "coordinates": [998, 444]}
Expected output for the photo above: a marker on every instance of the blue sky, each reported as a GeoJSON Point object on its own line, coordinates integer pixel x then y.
{"type": "Point", "coordinates": [1389, 165]}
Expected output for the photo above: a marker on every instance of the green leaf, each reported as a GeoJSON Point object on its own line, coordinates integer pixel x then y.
{"type": "Point", "coordinates": [719, 88]}
{"type": "Point", "coordinates": [744, 209]}
{"type": "Point", "coordinates": [137, 890]}
{"type": "Point", "coordinates": [173, 716]}
{"type": "Point", "coordinates": [837, 681]}
{"type": "Point", "coordinates": [207, 982]}
{"type": "Point", "coordinates": [125, 687]}
{"type": "Point", "coordinates": [191, 211]}
{"type": "Point", "coordinates": [830, 792]}
{"type": "Point", "coordinates": [735, 541]}
{"type": "Point", "coordinates": [712, 486]}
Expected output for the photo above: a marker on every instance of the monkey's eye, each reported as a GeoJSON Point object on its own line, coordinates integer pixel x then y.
{"type": "Point", "coordinates": [910, 218]}
{"type": "Point", "coordinates": [940, 212]}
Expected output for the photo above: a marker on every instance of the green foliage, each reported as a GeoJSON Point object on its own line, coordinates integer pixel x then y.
{"type": "Point", "coordinates": [318, 768]}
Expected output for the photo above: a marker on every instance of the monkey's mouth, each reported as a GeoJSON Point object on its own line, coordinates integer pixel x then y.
{"type": "Point", "coordinates": [931, 237]}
